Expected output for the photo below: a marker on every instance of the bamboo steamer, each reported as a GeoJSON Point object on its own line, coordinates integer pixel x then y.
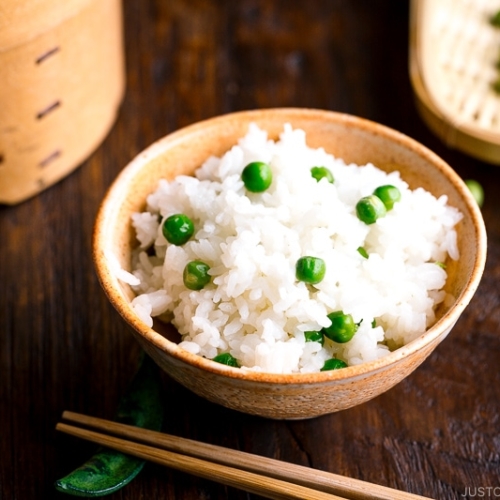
{"type": "Point", "coordinates": [61, 83]}
{"type": "Point", "coordinates": [453, 64]}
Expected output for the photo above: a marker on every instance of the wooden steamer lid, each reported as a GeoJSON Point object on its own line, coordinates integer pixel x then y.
{"type": "Point", "coordinates": [61, 83]}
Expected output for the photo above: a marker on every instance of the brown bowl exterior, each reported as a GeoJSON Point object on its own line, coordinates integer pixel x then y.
{"type": "Point", "coordinates": [289, 396]}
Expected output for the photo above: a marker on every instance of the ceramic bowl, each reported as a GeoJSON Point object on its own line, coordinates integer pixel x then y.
{"type": "Point", "coordinates": [285, 396]}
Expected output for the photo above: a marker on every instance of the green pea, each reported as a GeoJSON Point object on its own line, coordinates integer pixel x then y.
{"type": "Point", "coordinates": [370, 208]}
{"type": "Point", "coordinates": [257, 176]}
{"type": "Point", "coordinates": [388, 195]}
{"type": "Point", "coordinates": [177, 229]}
{"type": "Point", "coordinates": [226, 359]}
{"type": "Point", "coordinates": [314, 336]}
{"type": "Point", "coordinates": [342, 328]}
{"type": "Point", "coordinates": [476, 190]}
{"type": "Point", "coordinates": [363, 252]}
{"type": "Point", "coordinates": [495, 19]}
{"type": "Point", "coordinates": [333, 364]}
{"type": "Point", "coordinates": [196, 275]}
{"type": "Point", "coordinates": [322, 173]}
{"type": "Point", "coordinates": [310, 269]}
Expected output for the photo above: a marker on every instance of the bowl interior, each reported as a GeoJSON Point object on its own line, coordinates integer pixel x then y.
{"type": "Point", "coordinates": [347, 137]}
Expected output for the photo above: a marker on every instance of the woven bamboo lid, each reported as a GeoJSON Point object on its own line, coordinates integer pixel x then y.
{"type": "Point", "coordinates": [454, 53]}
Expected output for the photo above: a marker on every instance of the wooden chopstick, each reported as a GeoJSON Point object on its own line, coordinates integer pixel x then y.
{"type": "Point", "coordinates": [260, 475]}
{"type": "Point", "coordinates": [274, 489]}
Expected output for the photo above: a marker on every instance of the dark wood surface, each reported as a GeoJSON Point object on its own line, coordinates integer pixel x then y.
{"type": "Point", "coordinates": [63, 347]}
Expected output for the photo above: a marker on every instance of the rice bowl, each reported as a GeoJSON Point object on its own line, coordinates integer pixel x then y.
{"type": "Point", "coordinates": [284, 395]}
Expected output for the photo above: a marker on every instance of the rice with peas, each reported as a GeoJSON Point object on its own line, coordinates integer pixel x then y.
{"type": "Point", "coordinates": [254, 307]}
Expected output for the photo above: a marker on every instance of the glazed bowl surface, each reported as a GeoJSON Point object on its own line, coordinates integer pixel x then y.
{"type": "Point", "coordinates": [285, 396]}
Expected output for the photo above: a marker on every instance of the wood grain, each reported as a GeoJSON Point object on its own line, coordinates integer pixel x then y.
{"type": "Point", "coordinates": [62, 346]}
{"type": "Point", "coordinates": [209, 456]}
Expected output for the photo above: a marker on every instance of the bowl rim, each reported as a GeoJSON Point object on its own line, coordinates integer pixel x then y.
{"type": "Point", "coordinates": [110, 283]}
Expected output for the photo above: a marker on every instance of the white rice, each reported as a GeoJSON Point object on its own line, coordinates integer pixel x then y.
{"type": "Point", "coordinates": [254, 307]}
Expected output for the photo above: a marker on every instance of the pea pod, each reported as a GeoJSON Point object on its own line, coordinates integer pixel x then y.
{"type": "Point", "coordinates": [107, 471]}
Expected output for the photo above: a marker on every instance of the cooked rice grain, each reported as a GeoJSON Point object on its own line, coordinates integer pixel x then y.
{"type": "Point", "coordinates": [254, 307]}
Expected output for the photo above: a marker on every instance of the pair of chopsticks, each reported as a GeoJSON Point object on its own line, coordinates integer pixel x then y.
{"type": "Point", "coordinates": [262, 476]}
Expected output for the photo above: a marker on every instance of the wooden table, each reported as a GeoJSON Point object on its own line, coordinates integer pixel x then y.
{"type": "Point", "coordinates": [62, 346]}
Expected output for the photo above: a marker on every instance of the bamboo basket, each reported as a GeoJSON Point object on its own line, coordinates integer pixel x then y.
{"type": "Point", "coordinates": [454, 55]}
{"type": "Point", "coordinates": [61, 83]}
